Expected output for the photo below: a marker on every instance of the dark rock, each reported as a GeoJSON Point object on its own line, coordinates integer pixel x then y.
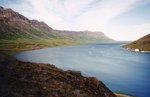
{"type": "Point", "coordinates": [27, 79]}
{"type": "Point", "coordinates": [45, 79]}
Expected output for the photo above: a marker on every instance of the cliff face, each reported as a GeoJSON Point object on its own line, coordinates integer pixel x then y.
{"type": "Point", "coordinates": [41, 25]}
{"type": "Point", "coordinates": [8, 15]}
{"type": "Point", "coordinates": [25, 79]}
{"type": "Point", "coordinates": [14, 25]}
{"type": "Point", "coordinates": [11, 15]}
{"type": "Point", "coordinates": [143, 44]}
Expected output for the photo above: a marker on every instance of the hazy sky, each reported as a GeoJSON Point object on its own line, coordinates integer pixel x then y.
{"type": "Point", "coordinates": [118, 19]}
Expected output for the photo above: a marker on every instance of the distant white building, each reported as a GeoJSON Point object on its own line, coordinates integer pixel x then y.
{"type": "Point", "coordinates": [136, 50]}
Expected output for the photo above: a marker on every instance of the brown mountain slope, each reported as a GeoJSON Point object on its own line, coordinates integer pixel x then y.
{"type": "Point", "coordinates": [25, 79]}
{"type": "Point", "coordinates": [14, 25]}
{"type": "Point", "coordinates": [8, 15]}
{"type": "Point", "coordinates": [143, 44]}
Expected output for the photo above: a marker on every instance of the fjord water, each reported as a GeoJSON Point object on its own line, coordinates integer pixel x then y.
{"type": "Point", "coordinates": [121, 70]}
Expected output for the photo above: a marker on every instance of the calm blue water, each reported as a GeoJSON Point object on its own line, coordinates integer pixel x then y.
{"type": "Point", "coordinates": [121, 70]}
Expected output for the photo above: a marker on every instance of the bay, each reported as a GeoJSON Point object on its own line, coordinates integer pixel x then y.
{"type": "Point", "coordinates": [121, 70]}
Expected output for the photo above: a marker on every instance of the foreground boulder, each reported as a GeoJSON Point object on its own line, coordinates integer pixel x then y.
{"type": "Point", "coordinates": [25, 79]}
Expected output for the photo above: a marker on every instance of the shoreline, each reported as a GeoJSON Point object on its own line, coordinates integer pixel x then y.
{"type": "Point", "coordinates": [135, 50]}
{"type": "Point", "coordinates": [146, 51]}
{"type": "Point", "coordinates": [122, 94]}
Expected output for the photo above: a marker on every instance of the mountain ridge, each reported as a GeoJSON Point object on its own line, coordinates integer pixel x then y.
{"type": "Point", "coordinates": [8, 16]}
{"type": "Point", "coordinates": [85, 35]}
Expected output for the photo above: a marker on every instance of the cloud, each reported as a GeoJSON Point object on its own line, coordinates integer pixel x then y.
{"type": "Point", "coordinates": [142, 29]}
{"type": "Point", "coordinates": [103, 12]}
{"type": "Point", "coordinates": [83, 14]}
{"type": "Point", "coordinates": [127, 32]}
{"type": "Point", "coordinates": [76, 14]}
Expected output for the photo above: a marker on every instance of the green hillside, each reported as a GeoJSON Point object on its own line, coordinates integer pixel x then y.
{"type": "Point", "coordinates": [18, 33]}
{"type": "Point", "coordinates": [143, 44]}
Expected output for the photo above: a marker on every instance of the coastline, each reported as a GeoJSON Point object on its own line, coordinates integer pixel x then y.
{"type": "Point", "coordinates": [122, 95]}
{"type": "Point", "coordinates": [146, 51]}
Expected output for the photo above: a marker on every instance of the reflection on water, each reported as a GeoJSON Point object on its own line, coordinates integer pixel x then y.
{"type": "Point", "coordinates": [121, 70]}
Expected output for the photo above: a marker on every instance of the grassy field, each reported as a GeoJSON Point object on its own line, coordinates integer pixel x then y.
{"type": "Point", "coordinates": [18, 45]}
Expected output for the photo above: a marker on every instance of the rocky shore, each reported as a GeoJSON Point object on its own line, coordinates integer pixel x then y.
{"type": "Point", "coordinates": [25, 79]}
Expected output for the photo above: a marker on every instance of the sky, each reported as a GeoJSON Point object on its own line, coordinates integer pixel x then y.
{"type": "Point", "coordinates": [123, 20]}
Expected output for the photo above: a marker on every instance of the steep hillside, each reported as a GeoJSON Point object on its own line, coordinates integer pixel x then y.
{"type": "Point", "coordinates": [13, 25]}
{"type": "Point", "coordinates": [143, 44]}
{"type": "Point", "coordinates": [17, 33]}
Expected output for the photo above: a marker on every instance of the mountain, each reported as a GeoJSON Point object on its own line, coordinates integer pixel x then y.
{"type": "Point", "coordinates": [18, 33]}
{"type": "Point", "coordinates": [142, 44]}
{"type": "Point", "coordinates": [85, 36]}
{"type": "Point", "coordinates": [14, 25]}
